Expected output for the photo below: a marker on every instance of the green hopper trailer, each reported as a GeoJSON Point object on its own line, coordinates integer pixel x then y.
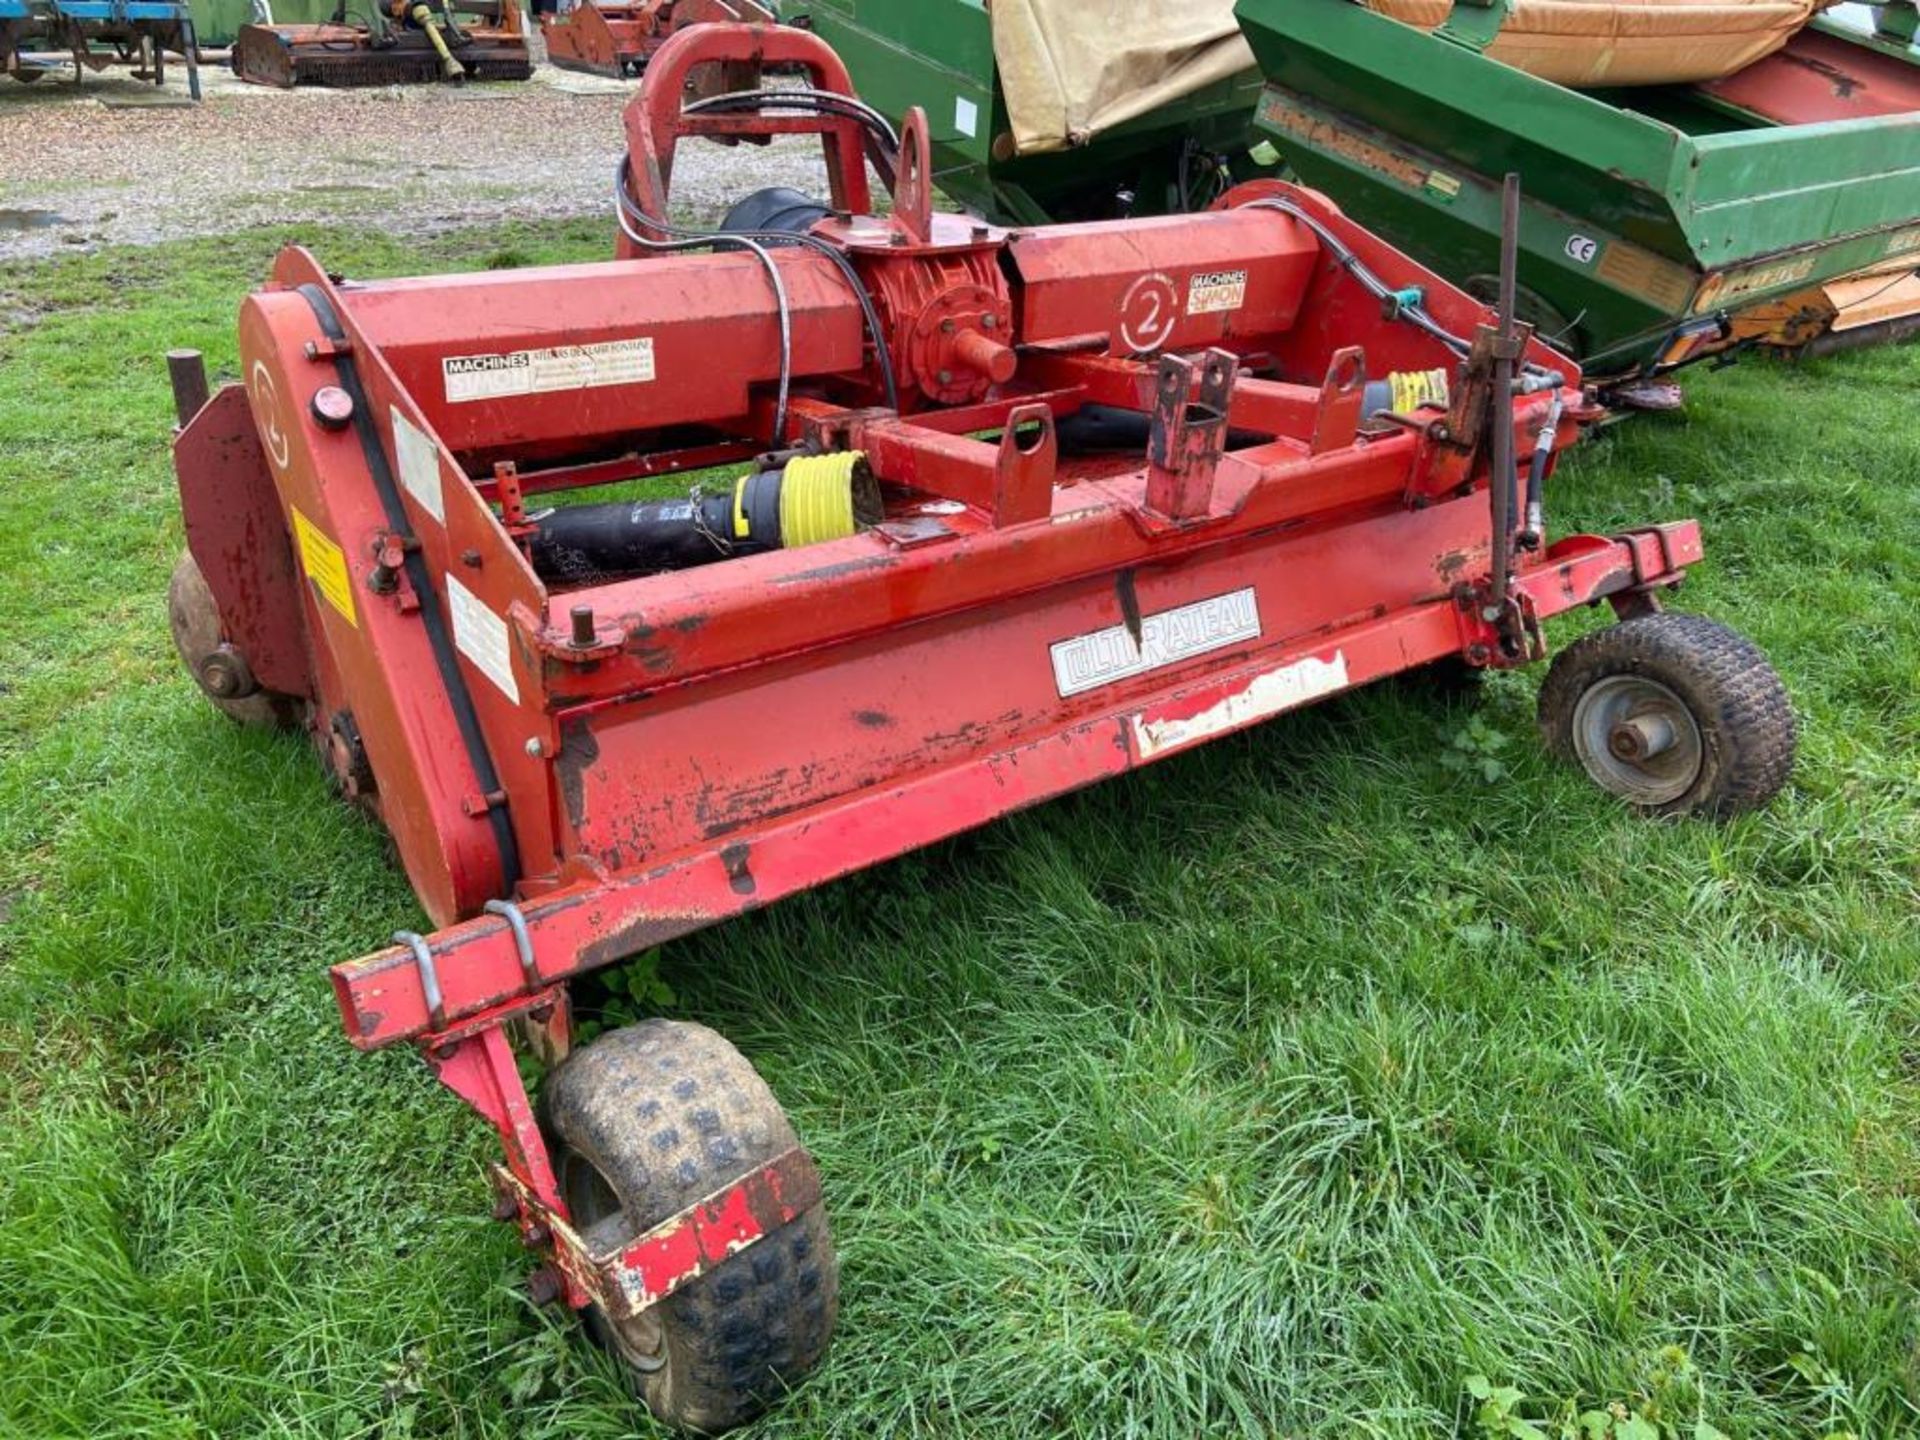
{"type": "Point", "coordinates": [1780, 205]}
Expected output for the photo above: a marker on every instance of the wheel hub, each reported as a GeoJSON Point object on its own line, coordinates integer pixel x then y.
{"type": "Point", "coordinates": [1638, 739]}
{"type": "Point", "coordinates": [1641, 737]}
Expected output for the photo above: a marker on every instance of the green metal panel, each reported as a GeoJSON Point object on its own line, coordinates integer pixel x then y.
{"type": "Point", "coordinates": [217, 22]}
{"type": "Point", "coordinates": [1628, 210]}
{"type": "Point", "coordinates": [934, 53]}
{"type": "Point", "coordinates": [939, 54]}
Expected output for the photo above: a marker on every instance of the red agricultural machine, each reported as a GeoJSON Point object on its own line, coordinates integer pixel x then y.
{"type": "Point", "coordinates": [389, 42]}
{"type": "Point", "coordinates": [965, 518]}
{"type": "Point", "coordinates": [616, 38]}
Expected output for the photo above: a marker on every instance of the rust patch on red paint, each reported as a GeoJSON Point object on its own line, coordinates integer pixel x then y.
{"type": "Point", "coordinates": [1616, 579]}
{"type": "Point", "coordinates": [839, 569]}
{"type": "Point", "coordinates": [643, 932]}
{"type": "Point", "coordinates": [579, 751]}
{"type": "Point", "coordinates": [739, 877]}
{"type": "Point", "coordinates": [1129, 598]}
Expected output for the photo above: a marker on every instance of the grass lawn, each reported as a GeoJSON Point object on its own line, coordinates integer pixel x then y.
{"type": "Point", "coordinates": [1281, 1090]}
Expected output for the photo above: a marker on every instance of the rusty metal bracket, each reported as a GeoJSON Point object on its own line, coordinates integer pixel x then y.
{"type": "Point", "coordinates": [1189, 434]}
{"type": "Point", "coordinates": [1501, 633]}
{"type": "Point", "coordinates": [1660, 556]}
{"type": "Point", "coordinates": [682, 1247]}
{"type": "Point", "coordinates": [1660, 552]}
{"type": "Point", "coordinates": [913, 189]}
{"type": "Point", "coordinates": [1342, 395]}
{"type": "Point", "coordinates": [1025, 465]}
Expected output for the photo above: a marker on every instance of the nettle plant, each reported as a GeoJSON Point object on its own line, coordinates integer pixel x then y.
{"type": "Point", "coordinates": [1669, 1407]}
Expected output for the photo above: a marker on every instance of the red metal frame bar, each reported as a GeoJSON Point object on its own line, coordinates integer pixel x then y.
{"type": "Point", "coordinates": [635, 466]}
{"type": "Point", "coordinates": [479, 1067]}
{"type": "Point", "coordinates": [656, 121]}
{"type": "Point", "coordinates": [681, 1248]}
{"type": "Point", "coordinates": [589, 924]}
{"type": "Point", "coordinates": [475, 1060]}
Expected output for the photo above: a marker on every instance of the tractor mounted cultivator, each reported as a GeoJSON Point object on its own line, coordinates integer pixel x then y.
{"type": "Point", "coordinates": [1001, 513]}
{"type": "Point", "coordinates": [133, 35]}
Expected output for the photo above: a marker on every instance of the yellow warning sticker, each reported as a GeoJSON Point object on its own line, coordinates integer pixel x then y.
{"type": "Point", "coordinates": [325, 564]}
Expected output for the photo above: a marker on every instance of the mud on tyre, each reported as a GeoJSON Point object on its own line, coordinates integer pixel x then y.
{"type": "Point", "coordinates": [643, 1122]}
{"type": "Point", "coordinates": [1676, 714]}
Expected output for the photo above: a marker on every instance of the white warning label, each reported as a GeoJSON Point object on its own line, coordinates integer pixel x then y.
{"type": "Point", "coordinates": [1211, 291]}
{"type": "Point", "coordinates": [481, 636]}
{"type": "Point", "coordinates": [418, 460]}
{"type": "Point", "coordinates": [535, 372]}
{"type": "Point", "coordinates": [1101, 657]}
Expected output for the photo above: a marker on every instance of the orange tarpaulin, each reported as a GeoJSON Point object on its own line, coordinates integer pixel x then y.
{"type": "Point", "coordinates": [1586, 43]}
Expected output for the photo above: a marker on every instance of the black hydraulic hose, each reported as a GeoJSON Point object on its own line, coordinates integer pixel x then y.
{"type": "Point", "coordinates": [473, 737]}
{"type": "Point", "coordinates": [703, 240]}
{"type": "Point", "coordinates": [802, 98]}
{"type": "Point", "coordinates": [1415, 315]}
{"type": "Point", "coordinates": [1533, 531]}
{"type": "Point", "coordinates": [690, 239]}
{"type": "Point", "coordinates": [883, 144]}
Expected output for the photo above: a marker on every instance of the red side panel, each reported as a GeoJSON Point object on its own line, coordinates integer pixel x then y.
{"type": "Point", "coordinates": [679, 339]}
{"type": "Point", "coordinates": [1176, 282]}
{"type": "Point", "coordinates": [239, 539]}
{"type": "Point", "coordinates": [1818, 77]}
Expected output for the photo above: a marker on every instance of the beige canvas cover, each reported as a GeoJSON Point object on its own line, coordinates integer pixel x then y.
{"type": "Point", "coordinates": [1073, 68]}
{"type": "Point", "coordinates": [1646, 42]}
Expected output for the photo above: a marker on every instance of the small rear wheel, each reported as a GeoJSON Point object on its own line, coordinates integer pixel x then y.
{"type": "Point", "coordinates": [1676, 714]}
{"type": "Point", "coordinates": [643, 1122]}
{"type": "Point", "coordinates": [217, 668]}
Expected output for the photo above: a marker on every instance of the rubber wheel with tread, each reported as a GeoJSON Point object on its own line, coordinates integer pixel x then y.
{"type": "Point", "coordinates": [643, 1122]}
{"type": "Point", "coordinates": [1676, 714]}
{"type": "Point", "coordinates": [195, 621]}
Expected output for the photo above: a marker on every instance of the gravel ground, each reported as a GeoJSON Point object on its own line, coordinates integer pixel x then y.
{"type": "Point", "coordinates": [118, 163]}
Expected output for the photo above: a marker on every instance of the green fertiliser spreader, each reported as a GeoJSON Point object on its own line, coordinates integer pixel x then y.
{"type": "Point", "coordinates": [1778, 205]}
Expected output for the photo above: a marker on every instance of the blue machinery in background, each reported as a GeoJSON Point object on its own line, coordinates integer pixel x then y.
{"type": "Point", "coordinates": [97, 34]}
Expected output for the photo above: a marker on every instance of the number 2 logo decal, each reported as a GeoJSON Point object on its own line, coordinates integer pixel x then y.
{"type": "Point", "coordinates": [267, 397]}
{"type": "Point", "coordinates": [1148, 312]}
